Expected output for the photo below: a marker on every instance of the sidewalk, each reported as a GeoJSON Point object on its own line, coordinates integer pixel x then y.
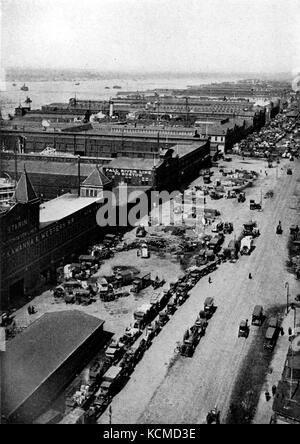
{"type": "Point", "coordinates": [264, 410]}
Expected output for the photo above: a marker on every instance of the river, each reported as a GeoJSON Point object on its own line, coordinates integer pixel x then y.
{"type": "Point", "coordinates": [56, 91]}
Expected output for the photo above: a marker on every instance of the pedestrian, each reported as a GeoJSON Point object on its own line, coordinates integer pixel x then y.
{"type": "Point", "coordinates": [273, 390]}
{"type": "Point", "coordinates": [267, 395]}
{"type": "Point", "coordinates": [209, 280]}
{"type": "Point", "coordinates": [281, 331]}
{"type": "Point", "coordinates": [29, 309]}
{"type": "Point", "coordinates": [250, 276]}
{"type": "Point", "coordinates": [290, 331]}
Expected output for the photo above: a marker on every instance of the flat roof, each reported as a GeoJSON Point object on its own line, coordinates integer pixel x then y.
{"type": "Point", "coordinates": [33, 355]}
{"type": "Point", "coordinates": [132, 163]}
{"type": "Point", "coordinates": [61, 166]}
{"type": "Point", "coordinates": [182, 149]}
{"type": "Point", "coordinates": [63, 206]}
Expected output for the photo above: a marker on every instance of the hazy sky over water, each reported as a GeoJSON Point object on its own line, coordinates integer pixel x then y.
{"type": "Point", "coordinates": [149, 35]}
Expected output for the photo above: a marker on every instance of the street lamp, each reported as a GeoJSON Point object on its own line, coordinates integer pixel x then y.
{"type": "Point", "coordinates": [287, 296]}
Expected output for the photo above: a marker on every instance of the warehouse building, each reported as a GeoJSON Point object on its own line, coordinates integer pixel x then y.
{"type": "Point", "coordinates": [42, 360]}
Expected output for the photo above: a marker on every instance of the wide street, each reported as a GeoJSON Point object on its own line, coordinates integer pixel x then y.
{"type": "Point", "coordinates": [169, 389]}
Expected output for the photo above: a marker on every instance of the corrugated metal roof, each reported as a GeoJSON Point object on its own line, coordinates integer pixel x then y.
{"type": "Point", "coordinates": [32, 356]}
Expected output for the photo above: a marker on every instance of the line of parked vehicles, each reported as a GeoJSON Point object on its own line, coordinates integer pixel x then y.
{"type": "Point", "coordinates": [193, 335]}
{"type": "Point", "coordinates": [108, 376]}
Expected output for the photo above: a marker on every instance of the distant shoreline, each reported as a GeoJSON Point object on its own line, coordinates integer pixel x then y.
{"type": "Point", "coordinates": [18, 74]}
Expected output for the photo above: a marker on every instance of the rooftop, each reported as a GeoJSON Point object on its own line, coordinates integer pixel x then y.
{"type": "Point", "coordinates": [63, 206]}
{"type": "Point", "coordinates": [32, 356]}
{"type": "Point", "coordinates": [285, 406]}
{"type": "Point", "coordinates": [182, 149]}
{"type": "Point", "coordinates": [61, 167]}
{"type": "Point", "coordinates": [96, 179]}
{"type": "Point", "coordinates": [24, 190]}
{"type": "Point", "coordinates": [132, 163]}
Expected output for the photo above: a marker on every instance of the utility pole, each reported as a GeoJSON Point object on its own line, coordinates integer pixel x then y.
{"type": "Point", "coordinates": [287, 296]}
{"type": "Point", "coordinates": [291, 378]}
{"type": "Point", "coordinates": [78, 176]}
{"type": "Point", "coordinates": [16, 162]}
{"type": "Point", "coordinates": [110, 414]}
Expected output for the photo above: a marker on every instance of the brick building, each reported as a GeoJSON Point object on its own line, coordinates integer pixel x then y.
{"type": "Point", "coordinates": [35, 238]}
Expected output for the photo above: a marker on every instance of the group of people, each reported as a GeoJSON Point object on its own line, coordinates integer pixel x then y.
{"type": "Point", "coordinates": [267, 394]}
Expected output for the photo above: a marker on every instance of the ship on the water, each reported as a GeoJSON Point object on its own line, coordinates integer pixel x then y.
{"type": "Point", "coordinates": [24, 88]}
{"type": "Point", "coordinates": [117, 87]}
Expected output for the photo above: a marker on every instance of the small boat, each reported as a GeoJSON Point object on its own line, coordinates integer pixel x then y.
{"type": "Point", "coordinates": [117, 87]}
{"type": "Point", "coordinates": [24, 88]}
{"type": "Point", "coordinates": [14, 84]}
{"type": "Point", "coordinates": [77, 83]}
{"type": "Point", "coordinates": [28, 100]}
{"type": "Point", "coordinates": [107, 87]}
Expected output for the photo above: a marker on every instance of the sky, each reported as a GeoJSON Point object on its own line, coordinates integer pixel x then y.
{"type": "Point", "coordinates": [152, 35]}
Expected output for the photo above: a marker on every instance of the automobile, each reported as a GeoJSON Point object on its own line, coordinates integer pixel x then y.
{"type": "Point", "coordinates": [243, 329]}
{"type": "Point", "coordinates": [257, 315]}
{"type": "Point", "coordinates": [209, 307]}
{"type": "Point", "coordinates": [242, 197]}
{"type": "Point", "coordinates": [289, 172]}
{"type": "Point", "coordinates": [270, 338]}
{"type": "Point", "coordinates": [213, 416]}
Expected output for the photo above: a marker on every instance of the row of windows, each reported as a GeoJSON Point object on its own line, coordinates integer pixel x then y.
{"type": "Point", "coordinates": [90, 192]}
{"type": "Point", "coordinates": [39, 245]}
{"type": "Point", "coordinates": [218, 138]}
{"type": "Point", "coordinates": [16, 226]}
{"type": "Point", "coordinates": [152, 132]}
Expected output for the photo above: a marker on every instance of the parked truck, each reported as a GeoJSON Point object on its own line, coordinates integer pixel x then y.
{"type": "Point", "coordinates": [114, 351]}
{"type": "Point", "coordinates": [143, 315]}
{"type": "Point", "coordinates": [141, 282]}
{"type": "Point", "coordinates": [233, 248]}
{"type": "Point", "coordinates": [251, 229]}
{"type": "Point", "coordinates": [111, 381]}
{"type": "Point", "coordinates": [144, 251]}
{"type": "Point", "coordinates": [214, 245]}
{"type": "Point", "coordinates": [272, 333]}
{"type": "Point", "coordinates": [254, 205]}
{"type": "Point", "coordinates": [159, 300]}
{"type": "Point", "coordinates": [246, 245]}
